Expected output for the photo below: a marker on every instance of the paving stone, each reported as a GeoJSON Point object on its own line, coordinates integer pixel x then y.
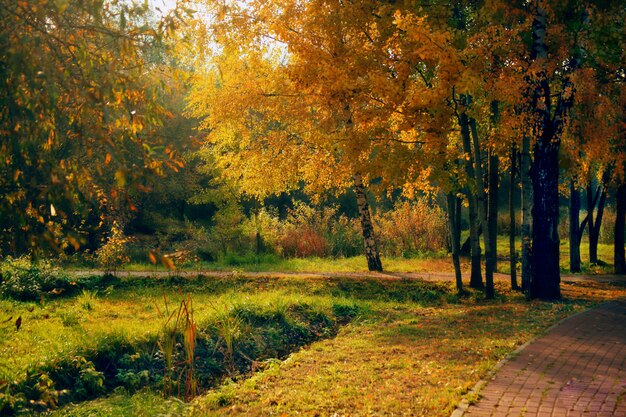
{"type": "Point", "coordinates": [577, 369]}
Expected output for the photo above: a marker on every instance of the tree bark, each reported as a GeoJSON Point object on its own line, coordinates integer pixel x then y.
{"type": "Point", "coordinates": [476, 280]}
{"type": "Point", "coordinates": [258, 239]}
{"type": "Point", "coordinates": [454, 209]}
{"type": "Point", "coordinates": [512, 227]}
{"type": "Point", "coordinates": [595, 223]}
{"type": "Point", "coordinates": [527, 205]}
{"type": "Point", "coordinates": [483, 211]}
{"type": "Point", "coordinates": [546, 278]}
{"type": "Point", "coordinates": [547, 118]}
{"type": "Point", "coordinates": [492, 218]}
{"type": "Point", "coordinates": [369, 239]}
{"type": "Point", "coordinates": [367, 226]}
{"type": "Point", "coordinates": [618, 240]}
{"type": "Point", "coordinates": [574, 228]}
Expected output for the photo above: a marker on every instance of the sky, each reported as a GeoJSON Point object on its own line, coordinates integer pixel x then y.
{"type": "Point", "coordinates": [164, 5]}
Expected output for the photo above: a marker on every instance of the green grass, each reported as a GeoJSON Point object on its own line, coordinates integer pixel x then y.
{"type": "Point", "coordinates": [403, 361]}
{"type": "Point", "coordinates": [605, 254]}
{"type": "Point", "coordinates": [128, 318]}
{"type": "Point", "coordinates": [264, 263]}
{"type": "Point", "coordinates": [429, 262]}
{"type": "Point", "coordinates": [403, 345]}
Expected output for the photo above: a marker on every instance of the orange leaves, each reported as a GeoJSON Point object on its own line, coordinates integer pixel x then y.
{"type": "Point", "coordinates": [156, 257]}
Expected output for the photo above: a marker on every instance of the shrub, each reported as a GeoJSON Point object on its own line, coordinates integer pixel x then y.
{"type": "Point", "coordinates": [113, 253]}
{"type": "Point", "coordinates": [345, 237]}
{"type": "Point", "coordinates": [504, 223]}
{"type": "Point", "coordinates": [306, 230]}
{"type": "Point", "coordinates": [24, 279]}
{"type": "Point", "coordinates": [269, 227]}
{"type": "Point", "coordinates": [302, 242]}
{"type": "Point", "coordinates": [313, 231]}
{"type": "Point", "coordinates": [412, 228]}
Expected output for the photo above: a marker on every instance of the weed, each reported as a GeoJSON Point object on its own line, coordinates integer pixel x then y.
{"type": "Point", "coordinates": [229, 329]}
{"type": "Point", "coordinates": [87, 299]}
{"type": "Point", "coordinates": [24, 279]}
{"type": "Point", "coordinates": [179, 321]}
{"type": "Point", "coordinates": [69, 318]}
{"type": "Point", "coordinates": [345, 312]}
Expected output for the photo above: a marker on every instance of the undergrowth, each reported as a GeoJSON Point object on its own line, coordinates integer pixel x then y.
{"type": "Point", "coordinates": [184, 357]}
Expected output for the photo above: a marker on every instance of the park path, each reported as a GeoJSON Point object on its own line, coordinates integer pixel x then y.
{"type": "Point", "coordinates": [427, 276]}
{"type": "Point", "coordinates": [577, 369]}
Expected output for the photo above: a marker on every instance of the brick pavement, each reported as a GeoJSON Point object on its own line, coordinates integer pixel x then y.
{"type": "Point", "coordinates": [577, 369]}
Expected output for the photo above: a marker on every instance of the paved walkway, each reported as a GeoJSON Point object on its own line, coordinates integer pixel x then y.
{"type": "Point", "coordinates": [577, 369]}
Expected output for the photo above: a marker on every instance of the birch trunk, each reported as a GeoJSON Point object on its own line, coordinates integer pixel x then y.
{"type": "Point", "coordinates": [369, 239]}
{"type": "Point", "coordinates": [548, 114]}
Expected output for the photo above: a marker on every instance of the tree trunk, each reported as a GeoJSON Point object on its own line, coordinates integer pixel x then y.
{"type": "Point", "coordinates": [455, 238]}
{"type": "Point", "coordinates": [595, 224]}
{"type": "Point", "coordinates": [547, 118]}
{"type": "Point", "coordinates": [574, 228]}
{"type": "Point", "coordinates": [476, 279]}
{"type": "Point", "coordinates": [371, 248]}
{"type": "Point", "coordinates": [258, 239]}
{"type": "Point", "coordinates": [527, 205]}
{"type": "Point", "coordinates": [618, 239]}
{"type": "Point", "coordinates": [367, 227]}
{"type": "Point", "coordinates": [512, 228]}
{"type": "Point", "coordinates": [483, 211]}
{"type": "Point", "coordinates": [494, 185]}
{"type": "Point", "coordinates": [546, 278]}
{"type": "Point", "coordinates": [492, 218]}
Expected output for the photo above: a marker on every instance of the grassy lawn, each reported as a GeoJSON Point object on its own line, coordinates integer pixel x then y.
{"type": "Point", "coordinates": [405, 361]}
{"type": "Point", "coordinates": [378, 346]}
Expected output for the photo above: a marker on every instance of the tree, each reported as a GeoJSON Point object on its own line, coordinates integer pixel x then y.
{"type": "Point", "coordinates": [76, 113]}
{"type": "Point", "coordinates": [328, 94]}
{"type": "Point", "coordinates": [476, 205]}
{"type": "Point", "coordinates": [512, 223]}
{"type": "Point", "coordinates": [620, 215]}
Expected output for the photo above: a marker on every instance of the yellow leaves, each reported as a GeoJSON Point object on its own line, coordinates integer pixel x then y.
{"type": "Point", "coordinates": [120, 178]}
{"type": "Point", "coordinates": [61, 5]}
{"type": "Point", "coordinates": [167, 262]}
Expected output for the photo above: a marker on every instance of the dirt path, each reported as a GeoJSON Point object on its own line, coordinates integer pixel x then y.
{"type": "Point", "coordinates": [427, 276]}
